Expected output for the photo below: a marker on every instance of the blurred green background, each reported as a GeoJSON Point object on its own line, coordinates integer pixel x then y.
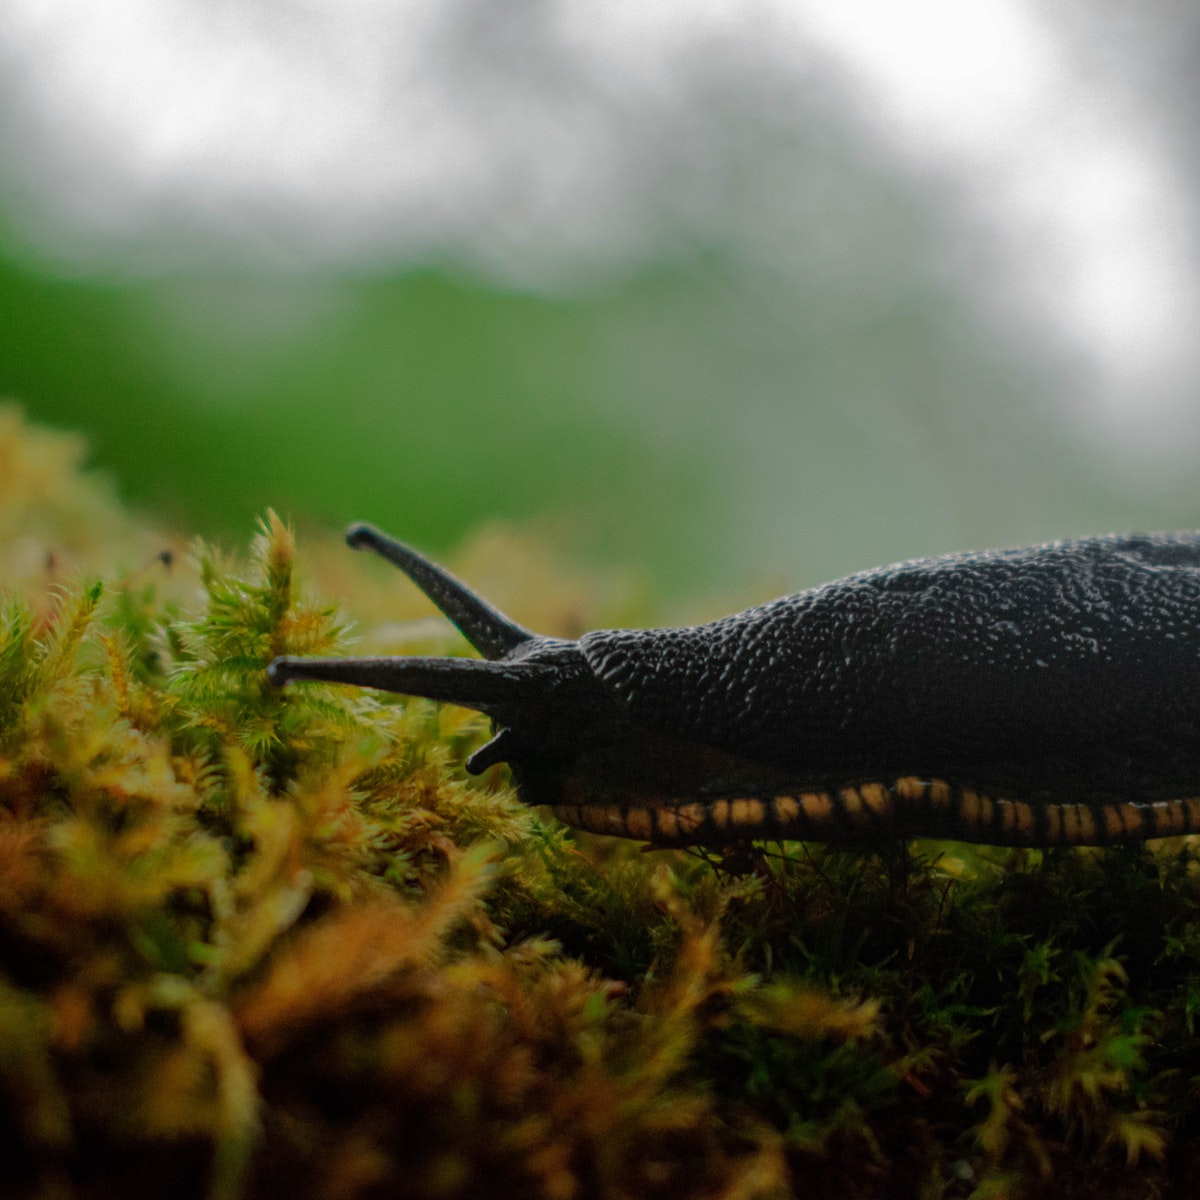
{"type": "Point", "coordinates": [732, 297]}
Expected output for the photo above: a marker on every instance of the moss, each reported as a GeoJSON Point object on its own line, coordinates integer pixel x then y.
{"type": "Point", "coordinates": [258, 942]}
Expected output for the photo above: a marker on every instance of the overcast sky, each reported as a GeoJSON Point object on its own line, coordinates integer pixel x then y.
{"type": "Point", "coordinates": [547, 142]}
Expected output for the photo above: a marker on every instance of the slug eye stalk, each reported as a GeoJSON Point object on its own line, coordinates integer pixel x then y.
{"type": "Point", "coordinates": [487, 687]}
{"type": "Point", "coordinates": [487, 629]}
{"type": "Point", "coordinates": [537, 683]}
{"type": "Point", "coordinates": [490, 685]}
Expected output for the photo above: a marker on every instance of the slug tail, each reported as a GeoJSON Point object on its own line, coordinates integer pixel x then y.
{"type": "Point", "coordinates": [487, 629]}
{"type": "Point", "coordinates": [471, 682]}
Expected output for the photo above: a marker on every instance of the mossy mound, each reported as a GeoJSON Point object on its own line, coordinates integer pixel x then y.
{"type": "Point", "coordinates": [257, 942]}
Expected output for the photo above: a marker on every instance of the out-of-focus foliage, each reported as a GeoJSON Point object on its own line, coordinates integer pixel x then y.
{"type": "Point", "coordinates": [262, 943]}
{"type": "Point", "coordinates": [711, 427]}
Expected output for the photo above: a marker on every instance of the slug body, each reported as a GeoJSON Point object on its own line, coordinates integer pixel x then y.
{"type": "Point", "coordinates": [1039, 696]}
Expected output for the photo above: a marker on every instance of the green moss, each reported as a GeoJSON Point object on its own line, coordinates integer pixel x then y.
{"type": "Point", "coordinates": [258, 942]}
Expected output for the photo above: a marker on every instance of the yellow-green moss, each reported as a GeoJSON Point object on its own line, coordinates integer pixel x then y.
{"type": "Point", "coordinates": [259, 943]}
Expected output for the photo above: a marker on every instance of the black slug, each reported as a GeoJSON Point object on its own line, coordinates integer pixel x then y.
{"type": "Point", "coordinates": [1040, 696]}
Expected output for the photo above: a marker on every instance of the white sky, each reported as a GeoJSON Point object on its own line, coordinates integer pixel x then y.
{"type": "Point", "coordinates": [1069, 168]}
{"type": "Point", "coordinates": [373, 131]}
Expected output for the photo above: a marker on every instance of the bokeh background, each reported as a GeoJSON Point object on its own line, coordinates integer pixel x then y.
{"type": "Point", "coordinates": [731, 294]}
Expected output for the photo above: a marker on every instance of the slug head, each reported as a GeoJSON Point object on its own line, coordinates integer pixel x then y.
{"type": "Point", "coordinates": [558, 726]}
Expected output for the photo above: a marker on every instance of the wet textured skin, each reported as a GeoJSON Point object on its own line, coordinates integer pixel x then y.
{"type": "Point", "coordinates": [1073, 666]}
{"type": "Point", "coordinates": [1051, 677]}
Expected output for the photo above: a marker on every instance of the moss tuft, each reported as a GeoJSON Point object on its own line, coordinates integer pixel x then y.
{"type": "Point", "coordinates": [258, 942]}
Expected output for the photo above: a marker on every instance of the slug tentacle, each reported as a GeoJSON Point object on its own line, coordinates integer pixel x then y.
{"type": "Point", "coordinates": [486, 628]}
{"type": "Point", "coordinates": [1048, 695]}
{"type": "Point", "coordinates": [474, 683]}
